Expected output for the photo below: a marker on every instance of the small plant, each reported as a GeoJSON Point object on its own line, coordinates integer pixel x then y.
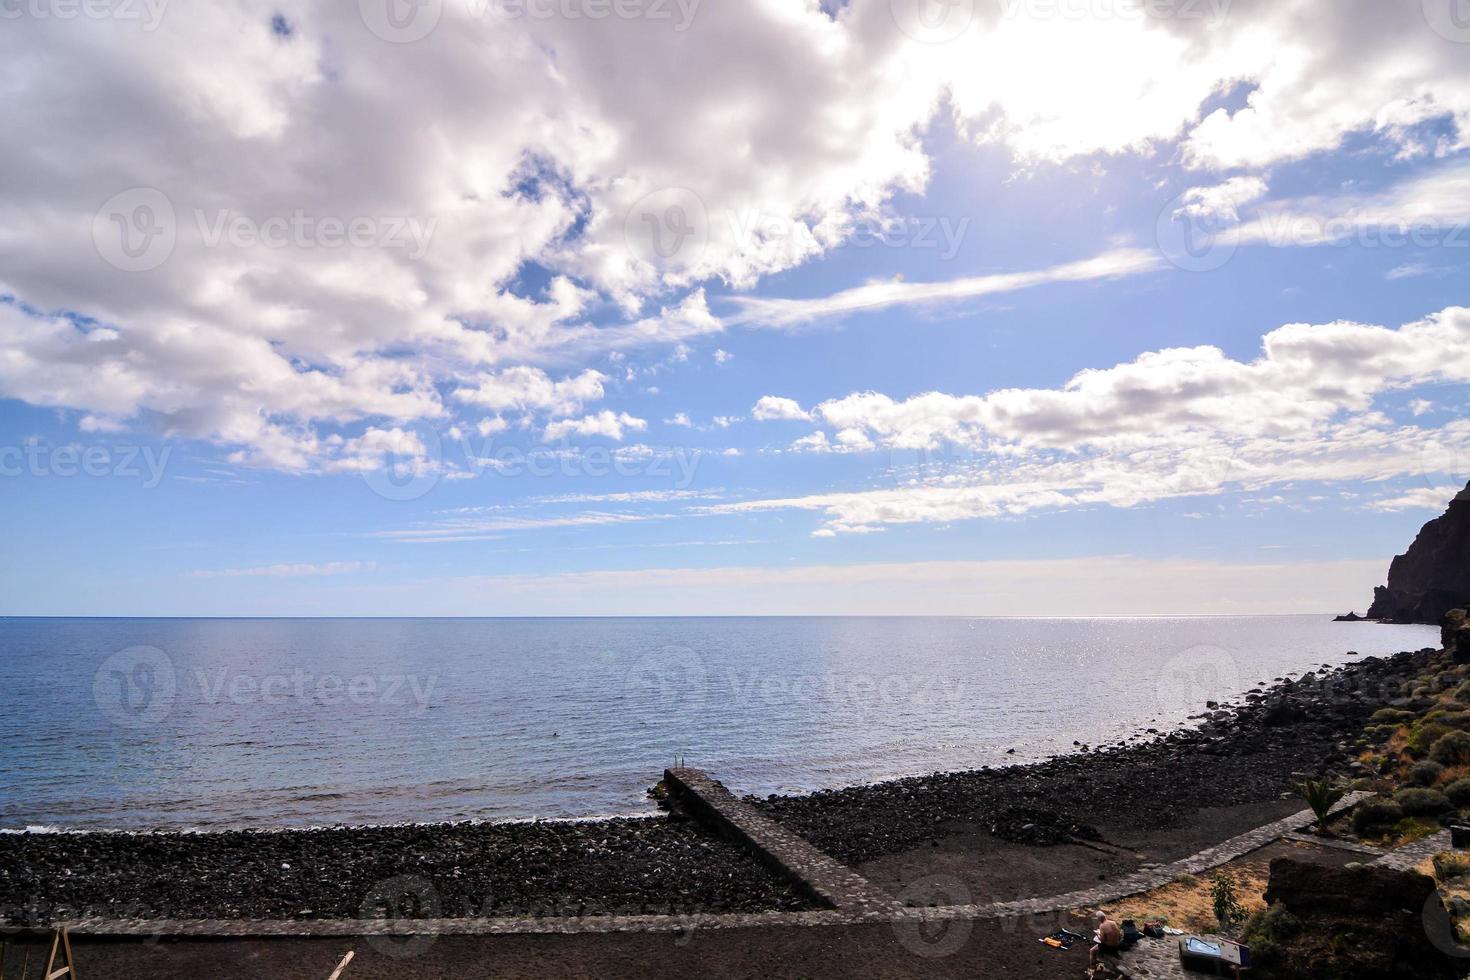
{"type": "Point", "coordinates": [1451, 749]}
{"type": "Point", "coordinates": [1423, 735]}
{"type": "Point", "coordinates": [1321, 795]}
{"type": "Point", "coordinates": [1228, 910]}
{"type": "Point", "coordinates": [1373, 818]}
{"type": "Point", "coordinates": [1425, 773]}
{"type": "Point", "coordinates": [1395, 716]}
{"type": "Point", "coordinates": [1459, 791]}
{"type": "Point", "coordinates": [1268, 929]}
{"type": "Point", "coordinates": [1422, 802]}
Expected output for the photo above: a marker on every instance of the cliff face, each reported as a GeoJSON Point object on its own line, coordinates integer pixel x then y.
{"type": "Point", "coordinates": [1433, 576]}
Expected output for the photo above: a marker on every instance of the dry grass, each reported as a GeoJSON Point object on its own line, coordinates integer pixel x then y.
{"type": "Point", "coordinates": [1186, 904]}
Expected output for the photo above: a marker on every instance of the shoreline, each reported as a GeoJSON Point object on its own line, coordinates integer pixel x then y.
{"type": "Point", "coordinates": [1244, 754]}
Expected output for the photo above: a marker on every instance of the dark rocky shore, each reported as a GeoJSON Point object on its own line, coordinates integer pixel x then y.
{"type": "Point", "coordinates": [1244, 753]}
{"type": "Point", "coordinates": [657, 865]}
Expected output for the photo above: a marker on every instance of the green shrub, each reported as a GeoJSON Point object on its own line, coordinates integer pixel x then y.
{"type": "Point", "coordinates": [1396, 716]}
{"type": "Point", "coordinates": [1268, 929]}
{"type": "Point", "coordinates": [1451, 749]}
{"type": "Point", "coordinates": [1459, 791]}
{"type": "Point", "coordinates": [1374, 817]}
{"type": "Point", "coordinates": [1455, 719]}
{"type": "Point", "coordinates": [1425, 773]}
{"type": "Point", "coordinates": [1422, 802]}
{"type": "Point", "coordinates": [1423, 735]}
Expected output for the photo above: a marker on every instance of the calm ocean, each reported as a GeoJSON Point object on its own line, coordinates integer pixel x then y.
{"type": "Point", "coordinates": [174, 723]}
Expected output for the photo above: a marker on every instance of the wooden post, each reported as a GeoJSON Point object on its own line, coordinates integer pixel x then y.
{"type": "Point", "coordinates": [60, 942]}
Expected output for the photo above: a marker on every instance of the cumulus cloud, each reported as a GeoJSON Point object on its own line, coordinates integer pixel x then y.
{"type": "Point", "coordinates": [1169, 423]}
{"type": "Point", "coordinates": [532, 389]}
{"type": "Point", "coordinates": [221, 270]}
{"type": "Point", "coordinates": [608, 424]}
{"type": "Point", "coordinates": [771, 407]}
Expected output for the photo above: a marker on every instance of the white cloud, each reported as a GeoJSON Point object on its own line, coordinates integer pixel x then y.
{"type": "Point", "coordinates": [723, 356]}
{"type": "Point", "coordinates": [782, 313]}
{"type": "Point", "coordinates": [606, 423]}
{"type": "Point", "coordinates": [531, 389]}
{"type": "Point", "coordinates": [1424, 498]}
{"type": "Point", "coordinates": [680, 419]}
{"type": "Point", "coordinates": [262, 348]}
{"type": "Point", "coordinates": [772, 407]}
{"type": "Point", "coordinates": [1170, 423]}
{"type": "Point", "coordinates": [1224, 200]}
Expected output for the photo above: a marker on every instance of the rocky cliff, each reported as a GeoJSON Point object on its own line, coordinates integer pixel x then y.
{"type": "Point", "coordinates": [1433, 576]}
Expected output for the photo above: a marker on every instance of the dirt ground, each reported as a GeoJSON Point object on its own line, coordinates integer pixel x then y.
{"type": "Point", "coordinates": [971, 862]}
{"type": "Point", "coordinates": [1002, 950]}
{"type": "Point", "coordinates": [1187, 904]}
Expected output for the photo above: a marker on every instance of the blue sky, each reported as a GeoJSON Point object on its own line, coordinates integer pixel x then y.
{"type": "Point", "coordinates": [919, 334]}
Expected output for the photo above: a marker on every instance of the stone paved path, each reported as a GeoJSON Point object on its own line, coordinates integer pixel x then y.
{"type": "Point", "coordinates": [823, 876]}
{"type": "Point", "coordinates": [1407, 857]}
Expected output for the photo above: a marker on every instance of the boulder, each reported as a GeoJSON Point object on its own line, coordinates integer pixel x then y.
{"type": "Point", "coordinates": [1454, 634]}
{"type": "Point", "coordinates": [1364, 921]}
{"type": "Point", "coordinates": [1433, 576]}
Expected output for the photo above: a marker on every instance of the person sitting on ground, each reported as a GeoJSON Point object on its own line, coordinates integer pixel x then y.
{"type": "Point", "coordinates": [1109, 938]}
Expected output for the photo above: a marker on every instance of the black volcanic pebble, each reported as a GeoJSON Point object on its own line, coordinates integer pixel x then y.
{"type": "Point", "coordinates": [1251, 753]}
{"type": "Point", "coordinates": [656, 865]}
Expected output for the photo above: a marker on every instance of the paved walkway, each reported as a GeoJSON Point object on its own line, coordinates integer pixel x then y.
{"type": "Point", "coordinates": [1156, 959]}
{"type": "Point", "coordinates": [822, 876]}
{"type": "Point", "coordinates": [1409, 856]}
{"type": "Point", "coordinates": [1151, 878]}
